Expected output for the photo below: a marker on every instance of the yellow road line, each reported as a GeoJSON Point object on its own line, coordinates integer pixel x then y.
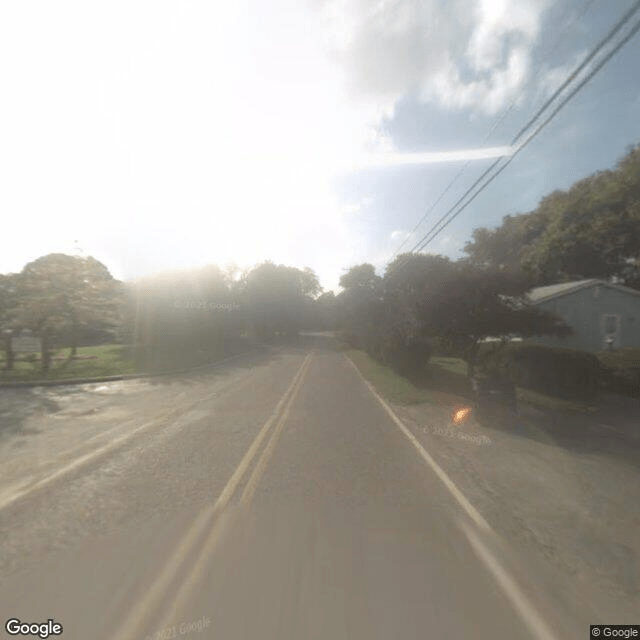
{"type": "Point", "coordinates": [261, 465]}
{"type": "Point", "coordinates": [201, 564]}
{"type": "Point", "coordinates": [134, 624]}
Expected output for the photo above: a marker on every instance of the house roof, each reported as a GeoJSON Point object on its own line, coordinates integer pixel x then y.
{"type": "Point", "coordinates": [540, 294]}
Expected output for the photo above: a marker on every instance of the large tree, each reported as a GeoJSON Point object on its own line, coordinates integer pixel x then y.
{"type": "Point", "coordinates": [429, 296]}
{"type": "Point", "coordinates": [274, 297]}
{"type": "Point", "coordinates": [172, 316]}
{"type": "Point", "coordinates": [58, 292]}
{"type": "Point", "coordinates": [470, 305]}
{"type": "Point", "coordinates": [591, 230]}
{"type": "Point", "coordinates": [360, 305]}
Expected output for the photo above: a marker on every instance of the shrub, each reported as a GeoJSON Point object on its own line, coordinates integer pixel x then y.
{"type": "Point", "coordinates": [626, 382]}
{"type": "Point", "coordinates": [560, 372]}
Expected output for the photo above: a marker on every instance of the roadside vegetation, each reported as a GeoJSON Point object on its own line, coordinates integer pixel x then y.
{"type": "Point", "coordinates": [65, 317]}
{"type": "Point", "coordinates": [427, 317]}
{"type": "Point", "coordinates": [398, 389]}
{"type": "Point", "coordinates": [430, 389]}
{"type": "Point", "coordinates": [441, 324]}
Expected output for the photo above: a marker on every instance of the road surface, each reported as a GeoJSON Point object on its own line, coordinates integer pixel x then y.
{"type": "Point", "coordinates": [277, 498]}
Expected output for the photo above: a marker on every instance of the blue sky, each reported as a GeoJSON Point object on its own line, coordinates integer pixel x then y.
{"type": "Point", "coordinates": [164, 135]}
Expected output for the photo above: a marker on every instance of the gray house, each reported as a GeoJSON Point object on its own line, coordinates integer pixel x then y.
{"type": "Point", "coordinates": [600, 313]}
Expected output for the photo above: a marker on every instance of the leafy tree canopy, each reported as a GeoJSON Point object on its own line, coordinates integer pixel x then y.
{"type": "Point", "coordinates": [591, 230]}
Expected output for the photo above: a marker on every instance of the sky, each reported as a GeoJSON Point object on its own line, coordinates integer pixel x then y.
{"type": "Point", "coordinates": [316, 133]}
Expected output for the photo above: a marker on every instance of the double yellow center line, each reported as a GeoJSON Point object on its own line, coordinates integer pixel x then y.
{"type": "Point", "coordinates": [205, 531]}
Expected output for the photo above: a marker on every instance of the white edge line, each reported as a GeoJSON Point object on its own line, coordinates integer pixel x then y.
{"type": "Point", "coordinates": [469, 509]}
{"type": "Point", "coordinates": [78, 463]}
{"type": "Point", "coordinates": [534, 623]}
{"type": "Point", "coordinates": [531, 618]}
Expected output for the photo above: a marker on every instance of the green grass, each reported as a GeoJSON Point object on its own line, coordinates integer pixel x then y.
{"type": "Point", "coordinates": [551, 403]}
{"type": "Point", "coordinates": [455, 365]}
{"type": "Point", "coordinates": [620, 358]}
{"type": "Point", "coordinates": [394, 387]}
{"type": "Point", "coordinates": [111, 360]}
{"type": "Point", "coordinates": [452, 373]}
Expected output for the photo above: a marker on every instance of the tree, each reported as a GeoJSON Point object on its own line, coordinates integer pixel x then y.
{"type": "Point", "coordinates": [173, 316]}
{"type": "Point", "coordinates": [590, 231]}
{"type": "Point", "coordinates": [274, 297]}
{"type": "Point", "coordinates": [409, 283]}
{"type": "Point", "coordinates": [59, 292]}
{"type": "Point", "coordinates": [360, 306]}
{"type": "Point", "coordinates": [327, 310]}
{"type": "Point", "coordinates": [8, 304]}
{"type": "Point", "coordinates": [470, 305]}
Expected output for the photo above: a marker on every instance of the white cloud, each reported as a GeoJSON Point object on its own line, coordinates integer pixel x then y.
{"type": "Point", "coordinates": [390, 159]}
{"type": "Point", "coordinates": [164, 134]}
{"type": "Point", "coordinates": [459, 54]}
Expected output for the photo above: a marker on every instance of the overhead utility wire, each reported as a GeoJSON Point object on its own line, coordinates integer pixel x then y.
{"type": "Point", "coordinates": [599, 66]}
{"type": "Point", "coordinates": [564, 85]}
{"type": "Point", "coordinates": [498, 121]}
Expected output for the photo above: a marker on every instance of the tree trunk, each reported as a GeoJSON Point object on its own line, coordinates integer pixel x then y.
{"type": "Point", "coordinates": [74, 340]}
{"type": "Point", "coordinates": [472, 355]}
{"type": "Point", "coordinates": [45, 354]}
{"type": "Point", "coordinates": [9, 354]}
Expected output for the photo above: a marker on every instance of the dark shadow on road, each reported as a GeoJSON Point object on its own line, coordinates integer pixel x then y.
{"type": "Point", "coordinates": [17, 405]}
{"type": "Point", "coordinates": [581, 434]}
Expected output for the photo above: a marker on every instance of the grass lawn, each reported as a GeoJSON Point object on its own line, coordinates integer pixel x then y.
{"type": "Point", "coordinates": [620, 358]}
{"type": "Point", "coordinates": [551, 403]}
{"type": "Point", "coordinates": [455, 365]}
{"type": "Point", "coordinates": [397, 389]}
{"type": "Point", "coordinates": [452, 375]}
{"type": "Point", "coordinates": [109, 360]}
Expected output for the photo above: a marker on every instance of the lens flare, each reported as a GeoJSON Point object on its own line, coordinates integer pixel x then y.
{"type": "Point", "coordinates": [460, 415]}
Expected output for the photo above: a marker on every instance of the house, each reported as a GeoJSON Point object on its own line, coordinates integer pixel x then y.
{"type": "Point", "coordinates": [602, 314]}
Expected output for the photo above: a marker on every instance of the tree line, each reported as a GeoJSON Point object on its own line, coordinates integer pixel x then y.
{"type": "Point", "coordinates": [591, 230]}
{"type": "Point", "coordinates": [60, 299]}
{"type": "Point", "coordinates": [420, 302]}
{"type": "Point", "coordinates": [423, 302]}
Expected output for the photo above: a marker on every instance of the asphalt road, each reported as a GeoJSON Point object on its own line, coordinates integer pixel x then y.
{"type": "Point", "coordinates": [277, 499]}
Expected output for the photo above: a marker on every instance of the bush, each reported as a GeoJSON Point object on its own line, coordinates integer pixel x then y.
{"type": "Point", "coordinates": [560, 372]}
{"type": "Point", "coordinates": [442, 349]}
{"type": "Point", "coordinates": [626, 382]}
{"type": "Point", "coordinates": [407, 357]}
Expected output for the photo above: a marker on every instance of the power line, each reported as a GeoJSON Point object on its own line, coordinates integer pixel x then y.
{"type": "Point", "coordinates": [497, 122]}
{"type": "Point", "coordinates": [614, 30]}
{"type": "Point", "coordinates": [443, 222]}
{"type": "Point", "coordinates": [434, 232]}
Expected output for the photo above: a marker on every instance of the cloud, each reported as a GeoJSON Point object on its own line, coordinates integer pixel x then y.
{"type": "Point", "coordinates": [391, 159]}
{"type": "Point", "coordinates": [195, 132]}
{"type": "Point", "coordinates": [455, 53]}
